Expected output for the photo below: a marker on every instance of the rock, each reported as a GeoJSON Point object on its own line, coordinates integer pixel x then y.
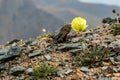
{"type": "Point", "coordinates": [36, 53]}
{"type": "Point", "coordinates": [75, 51]}
{"type": "Point", "coordinates": [115, 69]}
{"type": "Point", "coordinates": [62, 35]}
{"type": "Point", "coordinates": [29, 71]}
{"type": "Point", "coordinates": [62, 64]}
{"type": "Point", "coordinates": [61, 72]}
{"type": "Point", "coordinates": [17, 70]}
{"type": "Point", "coordinates": [68, 71]}
{"type": "Point", "coordinates": [85, 69]}
{"type": "Point", "coordinates": [47, 57]}
{"type": "Point", "coordinates": [31, 42]}
{"type": "Point", "coordinates": [77, 39]}
{"type": "Point", "coordinates": [49, 49]}
{"type": "Point", "coordinates": [2, 52]}
{"type": "Point", "coordinates": [12, 53]}
{"type": "Point", "coordinates": [115, 45]}
{"type": "Point", "coordinates": [22, 77]}
{"type": "Point", "coordinates": [13, 41]}
{"type": "Point", "coordinates": [2, 67]}
{"type": "Point", "coordinates": [117, 58]}
{"type": "Point", "coordinates": [69, 46]}
{"type": "Point", "coordinates": [112, 60]}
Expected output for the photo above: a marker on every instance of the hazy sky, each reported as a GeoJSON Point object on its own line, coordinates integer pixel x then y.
{"type": "Point", "coordinates": [109, 2]}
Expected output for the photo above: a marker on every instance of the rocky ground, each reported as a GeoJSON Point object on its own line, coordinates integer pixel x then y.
{"type": "Point", "coordinates": [19, 59]}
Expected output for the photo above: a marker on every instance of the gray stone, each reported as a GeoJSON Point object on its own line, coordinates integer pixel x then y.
{"type": "Point", "coordinates": [49, 49]}
{"type": "Point", "coordinates": [34, 43]}
{"type": "Point", "coordinates": [22, 77]}
{"type": "Point", "coordinates": [85, 69]}
{"type": "Point", "coordinates": [61, 72]}
{"type": "Point", "coordinates": [112, 60]}
{"type": "Point", "coordinates": [68, 71]}
{"type": "Point", "coordinates": [115, 69]}
{"type": "Point", "coordinates": [75, 51]}
{"type": "Point", "coordinates": [12, 53]}
{"type": "Point", "coordinates": [2, 52]}
{"type": "Point", "coordinates": [36, 53]}
{"type": "Point", "coordinates": [17, 70]}
{"type": "Point", "coordinates": [48, 57]}
{"type": "Point", "coordinates": [29, 71]}
{"type": "Point", "coordinates": [2, 67]}
{"type": "Point", "coordinates": [69, 46]}
{"type": "Point", "coordinates": [115, 45]}
{"type": "Point", "coordinates": [117, 58]}
{"type": "Point", "coordinates": [31, 42]}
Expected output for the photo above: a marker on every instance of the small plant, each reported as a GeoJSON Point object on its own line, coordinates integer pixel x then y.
{"type": "Point", "coordinates": [93, 54]}
{"type": "Point", "coordinates": [116, 15]}
{"type": "Point", "coordinates": [115, 29]}
{"type": "Point", "coordinates": [42, 71]}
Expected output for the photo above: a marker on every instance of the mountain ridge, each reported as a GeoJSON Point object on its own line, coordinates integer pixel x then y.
{"type": "Point", "coordinates": [97, 11]}
{"type": "Point", "coordinates": [20, 19]}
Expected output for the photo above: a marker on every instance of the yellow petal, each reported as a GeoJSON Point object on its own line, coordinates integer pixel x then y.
{"type": "Point", "coordinates": [78, 24]}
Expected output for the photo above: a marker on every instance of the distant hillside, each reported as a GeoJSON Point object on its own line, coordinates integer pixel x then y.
{"type": "Point", "coordinates": [68, 9]}
{"type": "Point", "coordinates": [20, 19]}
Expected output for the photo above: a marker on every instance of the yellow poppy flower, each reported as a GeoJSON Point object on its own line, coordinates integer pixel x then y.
{"type": "Point", "coordinates": [78, 24]}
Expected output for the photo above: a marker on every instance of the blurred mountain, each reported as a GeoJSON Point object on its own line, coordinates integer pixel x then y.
{"type": "Point", "coordinates": [20, 19]}
{"type": "Point", "coordinates": [66, 10]}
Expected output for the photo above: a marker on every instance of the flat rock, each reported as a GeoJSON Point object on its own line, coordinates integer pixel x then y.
{"type": "Point", "coordinates": [48, 57]}
{"type": "Point", "coordinates": [36, 53]}
{"type": "Point", "coordinates": [31, 42]}
{"type": "Point", "coordinates": [85, 69]}
{"type": "Point", "coordinates": [2, 52]}
{"type": "Point", "coordinates": [69, 46]}
{"type": "Point", "coordinates": [68, 71]}
{"type": "Point", "coordinates": [29, 71]}
{"type": "Point", "coordinates": [117, 58]}
{"type": "Point", "coordinates": [61, 72]}
{"type": "Point", "coordinates": [11, 53]}
{"type": "Point", "coordinates": [17, 70]}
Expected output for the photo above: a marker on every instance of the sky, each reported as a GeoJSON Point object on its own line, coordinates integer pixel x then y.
{"type": "Point", "coordinates": [108, 2]}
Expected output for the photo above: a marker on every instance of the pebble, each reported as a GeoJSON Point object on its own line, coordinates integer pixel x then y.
{"type": "Point", "coordinates": [84, 69]}
{"type": "Point", "coordinates": [48, 57]}
{"type": "Point", "coordinates": [68, 71]}
{"type": "Point", "coordinates": [61, 72]}
{"type": "Point", "coordinates": [117, 58]}
{"type": "Point", "coordinates": [29, 71]}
